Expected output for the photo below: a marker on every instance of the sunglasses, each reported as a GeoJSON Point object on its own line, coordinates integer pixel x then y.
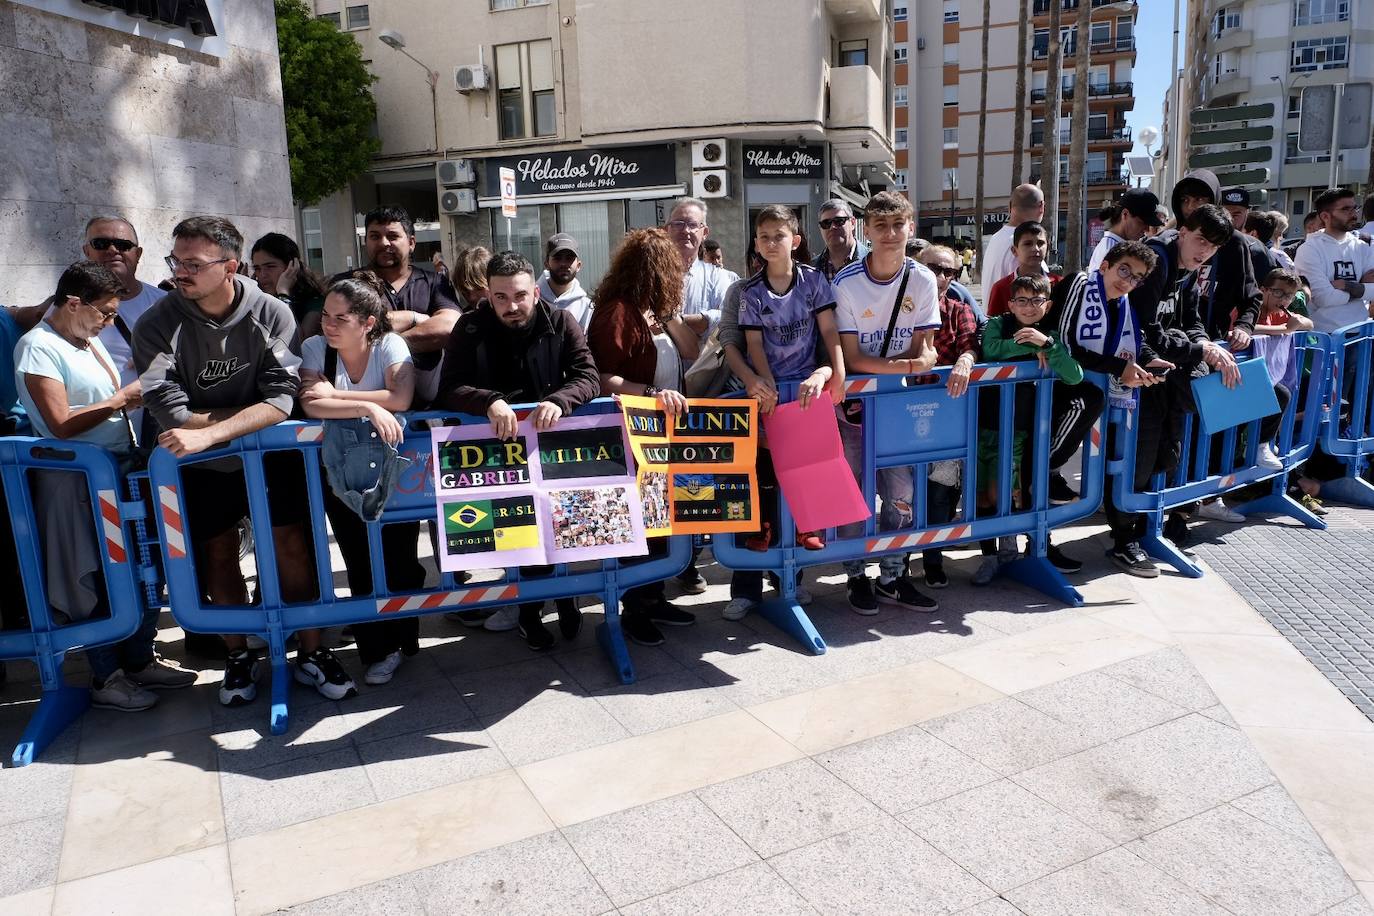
{"type": "Point", "coordinates": [951, 272]}
{"type": "Point", "coordinates": [101, 243]}
{"type": "Point", "coordinates": [834, 222]}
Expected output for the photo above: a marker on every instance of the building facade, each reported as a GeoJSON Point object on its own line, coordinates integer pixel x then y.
{"type": "Point", "coordinates": [938, 49]}
{"type": "Point", "coordinates": [607, 111]}
{"type": "Point", "coordinates": [104, 112]}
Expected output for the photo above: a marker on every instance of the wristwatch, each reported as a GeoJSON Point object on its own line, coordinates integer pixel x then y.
{"type": "Point", "coordinates": [650, 391]}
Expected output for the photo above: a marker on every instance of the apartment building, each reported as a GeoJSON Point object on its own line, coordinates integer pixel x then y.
{"type": "Point", "coordinates": [1256, 51]}
{"type": "Point", "coordinates": [606, 112]}
{"type": "Point", "coordinates": [938, 64]}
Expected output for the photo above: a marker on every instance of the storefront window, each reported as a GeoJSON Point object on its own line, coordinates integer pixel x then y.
{"type": "Point", "coordinates": [525, 236]}
{"type": "Point", "coordinates": [589, 224]}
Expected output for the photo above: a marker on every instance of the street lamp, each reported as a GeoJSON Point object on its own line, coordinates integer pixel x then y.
{"type": "Point", "coordinates": [395, 40]}
{"type": "Point", "coordinates": [1281, 111]}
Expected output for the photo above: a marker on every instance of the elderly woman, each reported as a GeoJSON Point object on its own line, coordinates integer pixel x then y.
{"type": "Point", "coordinates": [70, 388]}
{"type": "Point", "coordinates": [641, 345]}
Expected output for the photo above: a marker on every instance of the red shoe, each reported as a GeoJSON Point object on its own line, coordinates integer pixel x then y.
{"type": "Point", "coordinates": [759, 542]}
{"type": "Point", "coordinates": [810, 540]}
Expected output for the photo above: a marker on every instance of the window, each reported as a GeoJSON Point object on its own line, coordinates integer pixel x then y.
{"type": "Point", "coordinates": [899, 96]}
{"type": "Point", "coordinates": [1225, 18]}
{"type": "Point", "coordinates": [525, 236]}
{"type": "Point", "coordinates": [515, 4]}
{"type": "Point", "coordinates": [899, 138]}
{"type": "Point", "coordinates": [951, 137]}
{"type": "Point", "coordinates": [899, 14]}
{"type": "Point", "coordinates": [331, 17]}
{"type": "Point", "coordinates": [358, 17]}
{"type": "Point", "coordinates": [951, 179]}
{"type": "Point", "coordinates": [1097, 164]}
{"type": "Point", "coordinates": [1101, 34]}
{"type": "Point", "coordinates": [899, 52]}
{"type": "Point", "coordinates": [313, 237]}
{"type": "Point", "coordinates": [1319, 53]}
{"type": "Point", "coordinates": [952, 52]}
{"type": "Point", "coordinates": [900, 179]}
{"type": "Point", "coordinates": [951, 10]}
{"type": "Point", "coordinates": [590, 225]}
{"type": "Point", "coordinates": [1313, 12]}
{"type": "Point", "coordinates": [1040, 47]}
{"type": "Point", "coordinates": [1125, 28]}
{"type": "Point", "coordinates": [952, 95]}
{"type": "Point", "coordinates": [854, 53]}
{"type": "Point", "coordinates": [1295, 106]}
{"type": "Point", "coordinates": [1299, 207]}
{"type": "Point", "coordinates": [1291, 153]}
{"type": "Point", "coordinates": [524, 83]}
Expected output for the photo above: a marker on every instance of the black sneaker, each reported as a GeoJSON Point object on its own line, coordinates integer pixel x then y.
{"type": "Point", "coordinates": [240, 673]}
{"type": "Point", "coordinates": [321, 670]}
{"type": "Point", "coordinates": [860, 591]}
{"type": "Point", "coordinates": [936, 578]}
{"type": "Point", "coordinates": [639, 628]}
{"type": "Point", "coordinates": [668, 614]}
{"type": "Point", "coordinates": [1060, 491]}
{"type": "Point", "coordinates": [1134, 560]}
{"type": "Point", "coordinates": [901, 593]}
{"type": "Point", "coordinates": [691, 581]}
{"type": "Point", "coordinates": [1176, 530]}
{"type": "Point", "coordinates": [531, 627]}
{"type": "Point", "coordinates": [1062, 561]}
{"type": "Point", "coordinates": [569, 618]}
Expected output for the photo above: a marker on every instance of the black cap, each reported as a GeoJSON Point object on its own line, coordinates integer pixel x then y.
{"type": "Point", "coordinates": [1142, 204]}
{"type": "Point", "coordinates": [1237, 197]}
{"type": "Point", "coordinates": [561, 241]}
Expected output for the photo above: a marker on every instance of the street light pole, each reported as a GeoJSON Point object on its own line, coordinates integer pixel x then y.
{"type": "Point", "coordinates": [397, 42]}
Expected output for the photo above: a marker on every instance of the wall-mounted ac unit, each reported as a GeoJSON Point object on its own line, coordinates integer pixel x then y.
{"type": "Point", "coordinates": [708, 154]}
{"type": "Point", "coordinates": [711, 183]}
{"type": "Point", "coordinates": [458, 201]}
{"type": "Point", "coordinates": [452, 172]}
{"type": "Point", "coordinates": [471, 78]}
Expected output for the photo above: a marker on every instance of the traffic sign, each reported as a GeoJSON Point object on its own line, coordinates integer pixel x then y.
{"type": "Point", "coordinates": [1231, 157]}
{"type": "Point", "coordinates": [1260, 112]}
{"type": "Point", "coordinates": [1232, 135]}
{"type": "Point", "coordinates": [1244, 177]}
{"type": "Point", "coordinates": [1319, 111]}
{"type": "Point", "coordinates": [508, 193]}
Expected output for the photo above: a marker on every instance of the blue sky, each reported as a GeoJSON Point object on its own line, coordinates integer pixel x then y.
{"type": "Point", "coordinates": [1154, 33]}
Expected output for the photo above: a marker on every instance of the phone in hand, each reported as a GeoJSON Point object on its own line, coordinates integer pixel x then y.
{"type": "Point", "coordinates": [1157, 370]}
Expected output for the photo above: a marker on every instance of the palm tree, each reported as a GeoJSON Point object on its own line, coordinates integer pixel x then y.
{"type": "Point", "coordinates": [1018, 149]}
{"type": "Point", "coordinates": [1078, 143]}
{"type": "Point", "coordinates": [1049, 155]}
{"type": "Point", "coordinates": [982, 131]}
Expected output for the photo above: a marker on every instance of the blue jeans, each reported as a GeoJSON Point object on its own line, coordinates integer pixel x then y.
{"type": "Point", "coordinates": [132, 654]}
{"type": "Point", "coordinates": [896, 490]}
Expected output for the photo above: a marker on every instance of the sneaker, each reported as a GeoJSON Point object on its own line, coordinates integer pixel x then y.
{"type": "Point", "coordinates": [321, 670]}
{"type": "Point", "coordinates": [1176, 530]}
{"type": "Point", "coordinates": [240, 673]}
{"type": "Point", "coordinates": [738, 608]}
{"type": "Point", "coordinates": [668, 614]}
{"type": "Point", "coordinates": [1265, 458]}
{"type": "Point", "coordinates": [936, 578]}
{"type": "Point", "coordinates": [1062, 561]}
{"type": "Point", "coordinates": [569, 618]}
{"type": "Point", "coordinates": [901, 593]}
{"type": "Point", "coordinates": [1007, 549]}
{"type": "Point", "coordinates": [810, 540]}
{"type": "Point", "coordinates": [1060, 491]}
{"type": "Point", "coordinates": [1134, 560]}
{"type": "Point", "coordinates": [986, 571]}
{"type": "Point", "coordinates": [506, 618]}
{"type": "Point", "coordinates": [1313, 505]}
{"type": "Point", "coordinates": [691, 581]}
{"type": "Point", "coordinates": [1218, 511]}
{"type": "Point", "coordinates": [639, 628]}
{"type": "Point", "coordinates": [532, 629]}
{"type": "Point", "coordinates": [474, 620]}
{"type": "Point", "coordinates": [381, 672]}
{"type": "Point", "coordinates": [162, 674]}
{"type": "Point", "coordinates": [861, 598]}
{"type": "Point", "coordinates": [121, 693]}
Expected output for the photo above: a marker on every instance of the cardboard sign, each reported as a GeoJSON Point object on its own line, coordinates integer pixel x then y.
{"type": "Point", "coordinates": [808, 458]}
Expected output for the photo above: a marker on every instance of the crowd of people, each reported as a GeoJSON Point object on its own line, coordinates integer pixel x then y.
{"type": "Point", "coordinates": [1170, 294]}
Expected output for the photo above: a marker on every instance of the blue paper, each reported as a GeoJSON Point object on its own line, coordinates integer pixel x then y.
{"type": "Point", "coordinates": [1220, 408]}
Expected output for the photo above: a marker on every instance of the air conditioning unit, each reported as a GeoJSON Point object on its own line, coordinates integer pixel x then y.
{"type": "Point", "coordinates": [453, 172]}
{"type": "Point", "coordinates": [471, 78]}
{"type": "Point", "coordinates": [708, 154]}
{"type": "Point", "coordinates": [458, 201]}
{"type": "Point", "coordinates": [711, 183]}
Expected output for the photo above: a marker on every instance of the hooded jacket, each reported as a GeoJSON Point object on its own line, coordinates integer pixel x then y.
{"type": "Point", "coordinates": [574, 300]}
{"type": "Point", "coordinates": [1227, 283]}
{"type": "Point", "coordinates": [188, 362]}
{"type": "Point", "coordinates": [1167, 307]}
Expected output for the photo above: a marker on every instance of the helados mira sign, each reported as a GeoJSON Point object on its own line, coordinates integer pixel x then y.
{"type": "Point", "coordinates": [780, 161]}
{"type": "Point", "coordinates": [584, 171]}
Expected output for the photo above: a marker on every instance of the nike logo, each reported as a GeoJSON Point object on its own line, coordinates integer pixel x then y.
{"type": "Point", "coordinates": [216, 371]}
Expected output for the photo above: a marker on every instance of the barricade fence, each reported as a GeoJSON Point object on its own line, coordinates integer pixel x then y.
{"type": "Point", "coordinates": [1349, 436]}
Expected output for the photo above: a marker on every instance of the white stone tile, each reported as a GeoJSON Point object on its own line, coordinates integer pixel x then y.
{"type": "Point", "coordinates": [1102, 707]}
{"type": "Point", "coordinates": [1169, 675]}
{"type": "Point", "coordinates": [299, 790]}
{"type": "Point", "coordinates": [421, 760]}
{"type": "Point", "coordinates": [884, 769]}
{"type": "Point", "coordinates": [158, 888]}
{"type": "Point", "coordinates": [538, 875]}
{"type": "Point", "coordinates": [1116, 883]}
{"type": "Point", "coordinates": [30, 851]}
{"type": "Point", "coordinates": [1009, 736]}
{"type": "Point", "coordinates": [554, 728]}
{"type": "Point", "coordinates": [651, 704]}
{"type": "Point", "coordinates": [754, 890]}
{"type": "Point", "coordinates": [29, 903]}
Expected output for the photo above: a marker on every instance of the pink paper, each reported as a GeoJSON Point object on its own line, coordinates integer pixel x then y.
{"type": "Point", "coordinates": [809, 460]}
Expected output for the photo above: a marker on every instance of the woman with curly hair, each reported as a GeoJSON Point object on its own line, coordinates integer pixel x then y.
{"type": "Point", "coordinates": [642, 347]}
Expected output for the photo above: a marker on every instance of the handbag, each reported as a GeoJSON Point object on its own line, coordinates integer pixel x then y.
{"type": "Point", "coordinates": [852, 410]}
{"type": "Point", "coordinates": [710, 374]}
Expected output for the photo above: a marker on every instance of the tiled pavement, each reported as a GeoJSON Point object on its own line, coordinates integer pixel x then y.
{"type": "Point", "coordinates": [1006, 756]}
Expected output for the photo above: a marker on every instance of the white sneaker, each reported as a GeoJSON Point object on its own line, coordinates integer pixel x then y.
{"type": "Point", "coordinates": [381, 672]}
{"type": "Point", "coordinates": [1218, 511]}
{"type": "Point", "coordinates": [505, 618]}
{"type": "Point", "coordinates": [122, 694]}
{"type": "Point", "coordinates": [738, 608]}
{"type": "Point", "coordinates": [987, 570]}
{"type": "Point", "coordinates": [163, 674]}
{"type": "Point", "coordinates": [1265, 458]}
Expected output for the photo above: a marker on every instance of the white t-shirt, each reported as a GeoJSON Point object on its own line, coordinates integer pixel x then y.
{"type": "Point", "coordinates": [863, 306]}
{"type": "Point", "coordinates": [1109, 241]}
{"type": "Point", "coordinates": [385, 353]}
{"type": "Point", "coordinates": [998, 257]}
{"type": "Point", "coordinates": [1322, 259]}
{"type": "Point", "coordinates": [668, 365]}
{"type": "Point", "coordinates": [130, 310]}
{"type": "Point", "coordinates": [46, 353]}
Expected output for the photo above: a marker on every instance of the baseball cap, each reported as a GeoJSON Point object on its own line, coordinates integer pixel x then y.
{"type": "Point", "coordinates": [560, 241]}
{"type": "Point", "coordinates": [1237, 197]}
{"type": "Point", "coordinates": [1142, 204]}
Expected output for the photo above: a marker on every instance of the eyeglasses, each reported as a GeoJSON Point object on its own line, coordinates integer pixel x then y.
{"type": "Point", "coordinates": [834, 222]}
{"type": "Point", "coordinates": [684, 225]}
{"type": "Point", "coordinates": [105, 316]}
{"type": "Point", "coordinates": [1125, 274]}
{"type": "Point", "coordinates": [1024, 301]}
{"type": "Point", "coordinates": [191, 267]}
{"type": "Point", "coordinates": [101, 243]}
{"type": "Point", "coordinates": [951, 272]}
{"type": "Point", "coordinates": [1280, 293]}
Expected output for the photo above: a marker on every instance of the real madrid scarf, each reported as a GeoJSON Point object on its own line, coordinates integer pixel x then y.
{"type": "Point", "coordinates": [1092, 331]}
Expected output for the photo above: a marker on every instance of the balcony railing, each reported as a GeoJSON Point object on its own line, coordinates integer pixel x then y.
{"type": "Point", "coordinates": [1042, 7]}
{"type": "Point", "coordinates": [1095, 90]}
{"type": "Point", "coordinates": [1120, 132]}
{"type": "Point", "coordinates": [1097, 179]}
{"type": "Point", "coordinates": [1070, 48]}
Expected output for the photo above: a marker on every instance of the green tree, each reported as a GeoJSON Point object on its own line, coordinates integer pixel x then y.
{"type": "Point", "coordinates": [330, 111]}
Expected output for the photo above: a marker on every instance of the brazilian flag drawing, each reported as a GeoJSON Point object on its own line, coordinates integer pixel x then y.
{"type": "Point", "coordinates": [487, 525]}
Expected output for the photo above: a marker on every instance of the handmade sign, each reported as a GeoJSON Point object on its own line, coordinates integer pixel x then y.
{"type": "Point", "coordinates": [1219, 407]}
{"type": "Point", "coordinates": [808, 458]}
{"type": "Point", "coordinates": [696, 470]}
{"type": "Point", "coordinates": [556, 496]}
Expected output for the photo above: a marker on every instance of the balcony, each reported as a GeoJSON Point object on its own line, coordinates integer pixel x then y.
{"type": "Point", "coordinates": [850, 11]}
{"type": "Point", "coordinates": [1042, 7]}
{"type": "Point", "coordinates": [1230, 40]}
{"type": "Point", "coordinates": [1232, 82]}
{"type": "Point", "coordinates": [1094, 179]}
{"type": "Point", "coordinates": [1125, 43]}
{"type": "Point", "coordinates": [1095, 91]}
{"type": "Point", "coordinates": [857, 120]}
{"type": "Point", "coordinates": [1120, 133]}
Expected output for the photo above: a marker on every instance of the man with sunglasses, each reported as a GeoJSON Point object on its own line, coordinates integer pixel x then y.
{"type": "Point", "coordinates": [112, 242]}
{"type": "Point", "coordinates": [837, 230]}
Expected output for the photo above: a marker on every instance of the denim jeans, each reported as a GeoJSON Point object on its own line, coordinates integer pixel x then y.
{"type": "Point", "coordinates": [132, 654]}
{"type": "Point", "coordinates": [941, 501]}
{"type": "Point", "coordinates": [896, 490]}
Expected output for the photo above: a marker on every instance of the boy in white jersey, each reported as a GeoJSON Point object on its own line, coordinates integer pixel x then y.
{"type": "Point", "coordinates": [888, 309]}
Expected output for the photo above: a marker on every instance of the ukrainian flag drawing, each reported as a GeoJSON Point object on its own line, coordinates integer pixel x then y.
{"type": "Point", "coordinates": [694, 487]}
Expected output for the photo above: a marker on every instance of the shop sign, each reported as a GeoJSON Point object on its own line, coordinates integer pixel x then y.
{"type": "Point", "coordinates": [776, 160]}
{"type": "Point", "coordinates": [584, 171]}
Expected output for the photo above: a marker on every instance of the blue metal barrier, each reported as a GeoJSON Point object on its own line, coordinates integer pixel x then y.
{"type": "Point", "coordinates": [1194, 478]}
{"type": "Point", "coordinates": [274, 619]}
{"type": "Point", "coordinates": [1349, 433]}
{"type": "Point", "coordinates": [46, 641]}
{"type": "Point", "coordinates": [913, 422]}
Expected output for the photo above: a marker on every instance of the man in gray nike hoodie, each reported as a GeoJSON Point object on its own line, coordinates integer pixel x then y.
{"type": "Point", "coordinates": [215, 364]}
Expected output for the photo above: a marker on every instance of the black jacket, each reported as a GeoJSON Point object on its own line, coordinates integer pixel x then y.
{"type": "Point", "coordinates": [1167, 306]}
{"type": "Point", "coordinates": [1230, 283]}
{"type": "Point", "coordinates": [485, 361]}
